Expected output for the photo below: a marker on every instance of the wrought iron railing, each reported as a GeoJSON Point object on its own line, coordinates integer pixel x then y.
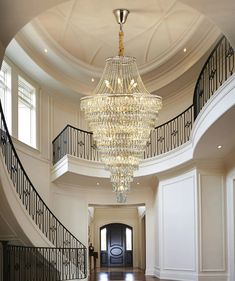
{"type": "Point", "coordinates": [163, 138]}
{"type": "Point", "coordinates": [42, 216]}
{"type": "Point", "coordinates": [170, 135]}
{"type": "Point", "coordinates": [43, 264]}
{"type": "Point", "coordinates": [218, 68]}
{"type": "Point", "coordinates": [75, 142]}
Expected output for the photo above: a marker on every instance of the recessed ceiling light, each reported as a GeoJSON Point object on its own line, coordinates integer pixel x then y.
{"type": "Point", "coordinates": [45, 50]}
{"type": "Point", "coordinates": [185, 50]}
{"type": "Point", "coordinates": [97, 183]}
{"type": "Point", "coordinates": [219, 146]}
{"type": "Point", "coordinates": [92, 80]}
{"type": "Point", "coordinates": [138, 183]}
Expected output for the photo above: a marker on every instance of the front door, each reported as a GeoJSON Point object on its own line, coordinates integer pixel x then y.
{"type": "Point", "coordinates": [116, 245]}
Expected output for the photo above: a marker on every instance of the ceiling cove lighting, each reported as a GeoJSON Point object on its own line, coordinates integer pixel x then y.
{"type": "Point", "coordinates": [121, 113]}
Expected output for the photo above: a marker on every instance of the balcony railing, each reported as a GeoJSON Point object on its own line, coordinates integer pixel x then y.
{"type": "Point", "coordinates": [43, 264]}
{"type": "Point", "coordinates": [39, 212]}
{"type": "Point", "coordinates": [75, 142]}
{"type": "Point", "coordinates": [170, 135]}
{"type": "Point", "coordinates": [217, 69]}
{"type": "Point", "coordinates": [164, 138]}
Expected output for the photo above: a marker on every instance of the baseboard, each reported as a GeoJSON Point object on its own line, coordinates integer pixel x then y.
{"type": "Point", "coordinates": [157, 272]}
{"type": "Point", "coordinates": [189, 276]}
{"type": "Point", "coordinates": [175, 275]}
{"type": "Point", "coordinates": [149, 271]}
{"type": "Point", "coordinates": [213, 277]}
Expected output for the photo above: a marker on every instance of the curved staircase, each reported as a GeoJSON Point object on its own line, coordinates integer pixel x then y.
{"type": "Point", "coordinates": [64, 258]}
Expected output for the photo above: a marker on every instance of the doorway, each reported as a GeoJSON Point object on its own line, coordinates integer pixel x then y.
{"type": "Point", "coordinates": [116, 245]}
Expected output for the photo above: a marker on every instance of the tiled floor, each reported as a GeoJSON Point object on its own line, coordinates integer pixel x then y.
{"type": "Point", "coordinates": [120, 274]}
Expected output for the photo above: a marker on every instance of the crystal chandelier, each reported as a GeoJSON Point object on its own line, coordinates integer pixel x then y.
{"type": "Point", "coordinates": [121, 114]}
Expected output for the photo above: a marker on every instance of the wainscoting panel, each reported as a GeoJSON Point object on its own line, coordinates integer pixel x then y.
{"type": "Point", "coordinates": [212, 223]}
{"type": "Point", "coordinates": [178, 224]}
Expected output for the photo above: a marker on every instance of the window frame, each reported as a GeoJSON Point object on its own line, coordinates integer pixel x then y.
{"type": "Point", "coordinates": [32, 83]}
{"type": "Point", "coordinates": [27, 98]}
{"type": "Point", "coordinates": [7, 103]}
{"type": "Point", "coordinates": [15, 72]}
{"type": "Point", "coordinates": [106, 248]}
{"type": "Point", "coordinates": [131, 232]}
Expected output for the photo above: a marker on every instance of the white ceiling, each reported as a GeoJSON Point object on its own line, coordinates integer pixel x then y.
{"type": "Point", "coordinates": [84, 182]}
{"type": "Point", "coordinates": [220, 133]}
{"type": "Point", "coordinates": [89, 32]}
{"type": "Point", "coordinates": [80, 35]}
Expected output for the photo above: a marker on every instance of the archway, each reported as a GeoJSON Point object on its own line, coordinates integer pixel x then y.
{"type": "Point", "coordinates": [116, 245]}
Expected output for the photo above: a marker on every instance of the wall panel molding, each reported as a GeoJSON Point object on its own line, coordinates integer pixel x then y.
{"type": "Point", "coordinates": [211, 223]}
{"type": "Point", "coordinates": [178, 216]}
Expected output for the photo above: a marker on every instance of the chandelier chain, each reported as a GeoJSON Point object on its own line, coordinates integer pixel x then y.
{"type": "Point", "coordinates": [121, 43]}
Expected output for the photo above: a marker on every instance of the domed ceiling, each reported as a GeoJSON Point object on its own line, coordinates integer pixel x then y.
{"type": "Point", "coordinates": [79, 35]}
{"type": "Point", "coordinates": [88, 30]}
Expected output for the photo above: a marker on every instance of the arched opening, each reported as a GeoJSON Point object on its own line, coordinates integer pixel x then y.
{"type": "Point", "coordinates": [116, 245]}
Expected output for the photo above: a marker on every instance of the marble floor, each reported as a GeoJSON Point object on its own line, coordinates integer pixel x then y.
{"type": "Point", "coordinates": [120, 274]}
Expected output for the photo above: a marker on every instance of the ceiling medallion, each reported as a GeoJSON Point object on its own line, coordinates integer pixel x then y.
{"type": "Point", "coordinates": [121, 114]}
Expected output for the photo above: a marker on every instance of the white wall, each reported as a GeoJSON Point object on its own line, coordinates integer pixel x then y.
{"type": "Point", "coordinates": [176, 227]}
{"type": "Point", "coordinates": [191, 226]}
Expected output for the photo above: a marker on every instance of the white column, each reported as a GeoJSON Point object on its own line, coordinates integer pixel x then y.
{"type": "Point", "coordinates": [230, 185]}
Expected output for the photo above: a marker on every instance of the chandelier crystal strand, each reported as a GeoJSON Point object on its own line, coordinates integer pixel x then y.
{"type": "Point", "coordinates": [121, 114]}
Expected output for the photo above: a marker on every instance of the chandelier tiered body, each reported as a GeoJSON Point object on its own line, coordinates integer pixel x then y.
{"type": "Point", "coordinates": [121, 114]}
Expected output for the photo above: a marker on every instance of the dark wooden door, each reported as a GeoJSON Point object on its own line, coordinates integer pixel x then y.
{"type": "Point", "coordinates": [116, 251]}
